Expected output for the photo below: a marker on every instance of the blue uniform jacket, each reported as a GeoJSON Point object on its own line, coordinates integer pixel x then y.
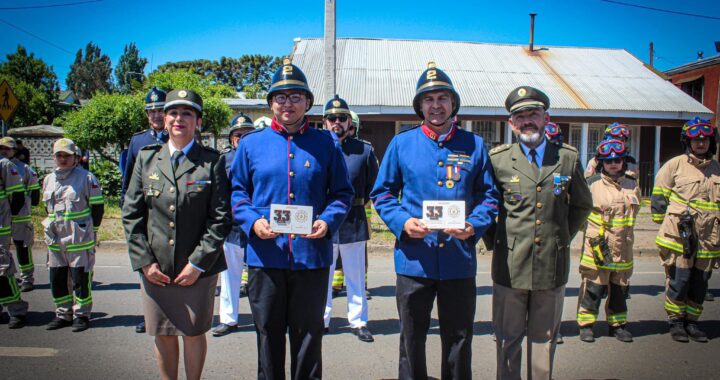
{"type": "Point", "coordinates": [363, 168]}
{"type": "Point", "coordinates": [236, 236]}
{"type": "Point", "coordinates": [307, 169]}
{"type": "Point", "coordinates": [137, 142]}
{"type": "Point", "coordinates": [414, 165]}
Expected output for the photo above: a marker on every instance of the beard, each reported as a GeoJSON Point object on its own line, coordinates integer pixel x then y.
{"type": "Point", "coordinates": [340, 132]}
{"type": "Point", "coordinates": [530, 139]}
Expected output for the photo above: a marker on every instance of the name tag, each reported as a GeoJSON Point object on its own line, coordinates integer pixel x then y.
{"type": "Point", "coordinates": [438, 215]}
{"type": "Point", "coordinates": [291, 219]}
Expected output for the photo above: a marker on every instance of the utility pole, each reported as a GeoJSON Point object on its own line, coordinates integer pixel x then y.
{"type": "Point", "coordinates": [652, 54]}
{"type": "Point", "coordinates": [329, 66]}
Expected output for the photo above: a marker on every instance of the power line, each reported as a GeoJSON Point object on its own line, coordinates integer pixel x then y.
{"type": "Point", "coordinates": [662, 10]}
{"type": "Point", "coordinates": [48, 5]}
{"type": "Point", "coordinates": [36, 36]}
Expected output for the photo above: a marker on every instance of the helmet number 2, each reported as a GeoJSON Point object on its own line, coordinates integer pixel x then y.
{"type": "Point", "coordinates": [431, 74]}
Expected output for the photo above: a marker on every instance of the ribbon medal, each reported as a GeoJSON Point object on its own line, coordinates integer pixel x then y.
{"type": "Point", "coordinates": [452, 172]}
{"type": "Point", "coordinates": [560, 183]}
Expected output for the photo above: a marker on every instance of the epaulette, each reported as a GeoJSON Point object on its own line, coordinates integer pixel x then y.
{"type": "Point", "coordinates": [364, 141]}
{"type": "Point", "coordinates": [568, 146]}
{"type": "Point", "coordinates": [210, 149]}
{"type": "Point", "coordinates": [406, 129]}
{"type": "Point", "coordinates": [139, 133]}
{"type": "Point", "coordinates": [500, 148]}
{"type": "Point", "coordinates": [152, 147]}
{"type": "Point", "coordinates": [226, 149]}
{"type": "Point", "coordinates": [593, 178]}
{"type": "Point", "coordinates": [631, 174]}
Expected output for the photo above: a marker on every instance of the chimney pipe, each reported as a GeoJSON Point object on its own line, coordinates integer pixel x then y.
{"type": "Point", "coordinates": [532, 31]}
{"type": "Point", "coordinates": [700, 54]}
{"type": "Point", "coordinates": [652, 54]}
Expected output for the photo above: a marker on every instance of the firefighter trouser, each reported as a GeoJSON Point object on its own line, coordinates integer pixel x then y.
{"type": "Point", "coordinates": [10, 296]}
{"type": "Point", "coordinates": [596, 283]}
{"type": "Point", "coordinates": [338, 279]}
{"type": "Point", "coordinates": [686, 282]}
{"type": "Point", "coordinates": [25, 262]}
{"type": "Point", "coordinates": [62, 296]}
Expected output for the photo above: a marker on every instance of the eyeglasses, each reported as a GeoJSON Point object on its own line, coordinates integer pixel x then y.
{"type": "Point", "coordinates": [333, 118]}
{"type": "Point", "coordinates": [699, 129]}
{"type": "Point", "coordinates": [294, 98]}
{"type": "Point", "coordinates": [617, 130]}
{"type": "Point", "coordinates": [607, 147]}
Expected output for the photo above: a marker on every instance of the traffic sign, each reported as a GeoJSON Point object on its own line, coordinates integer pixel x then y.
{"type": "Point", "coordinates": [8, 101]}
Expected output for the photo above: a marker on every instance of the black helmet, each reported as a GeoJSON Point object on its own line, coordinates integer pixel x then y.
{"type": "Point", "coordinates": [336, 105]}
{"type": "Point", "coordinates": [434, 79]}
{"type": "Point", "coordinates": [240, 121]}
{"type": "Point", "coordinates": [289, 77]}
{"type": "Point", "coordinates": [155, 99]}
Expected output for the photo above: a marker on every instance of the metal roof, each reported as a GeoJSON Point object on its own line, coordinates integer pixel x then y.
{"type": "Point", "coordinates": [700, 63]}
{"type": "Point", "coordinates": [379, 76]}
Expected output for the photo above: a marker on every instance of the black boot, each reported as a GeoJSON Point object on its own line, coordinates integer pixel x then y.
{"type": "Point", "coordinates": [621, 334]}
{"type": "Point", "coordinates": [709, 296]}
{"type": "Point", "coordinates": [694, 332]}
{"type": "Point", "coordinates": [677, 331]}
{"type": "Point", "coordinates": [586, 334]}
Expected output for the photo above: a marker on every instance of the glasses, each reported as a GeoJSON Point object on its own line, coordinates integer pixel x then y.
{"type": "Point", "coordinates": [699, 129]}
{"type": "Point", "coordinates": [617, 130]}
{"type": "Point", "coordinates": [608, 147]}
{"type": "Point", "coordinates": [63, 156]}
{"type": "Point", "coordinates": [333, 118]}
{"type": "Point", "coordinates": [294, 98]}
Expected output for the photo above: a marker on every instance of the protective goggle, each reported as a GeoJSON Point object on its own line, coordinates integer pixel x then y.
{"type": "Point", "coordinates": [332, 118]}
{"type": "Point", "coordinates": [702, 128]}
{"type": "Point", "coordinates": [617, 130]}
{"type": "Point", "coordinates": [606, 148]}
{"type": "Point", "coordinates": [552, 130]}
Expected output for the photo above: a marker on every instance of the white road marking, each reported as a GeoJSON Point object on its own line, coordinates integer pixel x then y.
{"type": "Point", "coordinates": [28, 352]}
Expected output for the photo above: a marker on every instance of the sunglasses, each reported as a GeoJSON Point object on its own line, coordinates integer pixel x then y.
{"type": "Point", "coordinates": [608, 147]}
{"type": "Point", "coordinates": [699, 129]}
{"type": "Point", "coordinates": [333, 118]}
{"type": "Point", "coordinates": [619, 131]}
{"type": "Point", "coordinates": [617, 160]}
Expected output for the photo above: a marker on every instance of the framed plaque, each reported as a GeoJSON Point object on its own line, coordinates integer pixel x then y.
{"type": "Point", "coordinates": [438, 215]}
{"type": "Point", "coordinates": [291, 219]}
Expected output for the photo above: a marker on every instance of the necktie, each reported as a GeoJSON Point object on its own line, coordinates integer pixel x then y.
{"type": "Point", "coordinates": [533, 162]}
{"type": "Point", "coordinates": [176, 159]}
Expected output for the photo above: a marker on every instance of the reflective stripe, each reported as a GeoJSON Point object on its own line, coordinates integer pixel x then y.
{"type": "Point", "coordinates": [658, 217]}
{"type": "Point", "coordinates": [72, 215]}
{"type": "Point", "coordinates": [62, 300]}
{"type": "Point", "coordinates": [618, 267]}
{"type": "Point", "coordinates": [702, 205]}
{"type": "Point", "coordinates": [672, 308]}
{"type": "Point", "coordinates": [35, 186]}
{"type": "Point", "coordinates": [617, 318]}
{"type": "Point", "coordinates": [19, 188]}
{"type": "Point", "coordinates": [586, 317]}
{"type": "Point", "coordinates": [661, 191]}
{"type": "Point", "coordinates": [21, 219]}
{"type": "Point", "coordinates": [14, 291]}
{"type": "Point", "coordinates": [96, 200]}
{"type": "Point", "coordinates": [615, 222]}
{"type": "Point", "coordinates": [96, 228]}
{"type": "Point", "coordinates": [693, 311]}
{"type": "Point", "coordinates": [73, 247]}
{"type": "Point", "coordinates": [5, 230]}
{"type": "Point", "coordinates": [88, 300]}
{"type": "Point", "coordinates": [3, 194]}
{"type": "Point", "coordinates": [677, 247]}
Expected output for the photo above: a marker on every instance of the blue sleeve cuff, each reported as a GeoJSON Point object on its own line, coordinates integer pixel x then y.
{"type": "Point", "coordinates": [197, 267]}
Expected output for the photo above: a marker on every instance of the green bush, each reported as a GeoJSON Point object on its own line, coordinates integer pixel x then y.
{"type": "Point", "coordinates": [109, 176]}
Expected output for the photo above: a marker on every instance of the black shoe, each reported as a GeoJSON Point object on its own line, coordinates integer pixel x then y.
{"type": "Point", "coordinates": [368, 296]}
{"type": "Point", "coordinates": [709, 296]}
{"type": "Point", "coordinates": [224, 329]}
{"type": "Point", "coordinates": [58, 323]}
{"type": "Point", "coordinates": [140, 328]}
{"type": "Point", "coordinates": [694, 332]}
{"type": "Point", "coordinates": [677, 332]}
{"type": "Point", "coordinates": [243, 291]}
{"type": "Point", "coordinates": [217, 291]}
{"type": "Point", "coordinates": [586, 334]}
{"type": "Point", "coordinates": [559, 339]}
{"type": "Point", "coordinates": [335, 292]}
{"type": "Point", "coordinates": [80, 324]}
{"type": "Point", "coordinates": [17, 322]}
{"type": "Point", "coordinates": [621, 334]}
{"type": "Point", "coordinates": [326, 331]}
{"type": "Point", "coordinates": [363, 334]}
{"type": "Point", "coordinates": [26, 287]}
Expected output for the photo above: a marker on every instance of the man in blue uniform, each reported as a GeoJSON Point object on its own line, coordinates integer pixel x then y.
{"type": "Point", "coordinates": [431, 162]}
{"type": "Point", "coordinates": [350, 243]}
{"type": "Point", "coordinates": [156, 134]}
{"type": "Point", "coordinates": [289, 163]}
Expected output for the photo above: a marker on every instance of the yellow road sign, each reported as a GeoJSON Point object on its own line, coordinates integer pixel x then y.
{"type": "Point", "coordinates": [8, 101]}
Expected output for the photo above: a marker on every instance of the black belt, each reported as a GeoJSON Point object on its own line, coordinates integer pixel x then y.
{"type": "Point", "coordinates": [358, 202]}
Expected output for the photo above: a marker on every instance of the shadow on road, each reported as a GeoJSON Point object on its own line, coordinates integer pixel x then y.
{"type": "Point", "coordinates": [99, 286]}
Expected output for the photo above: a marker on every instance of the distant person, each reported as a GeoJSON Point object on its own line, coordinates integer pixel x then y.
{"type": "Point", "coordinates": [22, 153]}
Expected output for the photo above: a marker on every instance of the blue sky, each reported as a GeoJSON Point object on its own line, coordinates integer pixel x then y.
{"type": "Point", "coordinates": [183, 30]}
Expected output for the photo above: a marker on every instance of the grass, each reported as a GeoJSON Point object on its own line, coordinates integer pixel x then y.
{"type": "Point", "coordinates": [110, 229]}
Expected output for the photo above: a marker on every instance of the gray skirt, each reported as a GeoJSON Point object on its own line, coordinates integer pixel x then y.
{"type": "Point", "coordinates": [179, 310]}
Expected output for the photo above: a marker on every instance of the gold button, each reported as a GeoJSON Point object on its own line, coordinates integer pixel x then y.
{"type": "Point", "coordinates": [172, 189]}
{"type": "Point", "coordinates": [538, 222]}
{"type": "Point", "coordinates": [539, 189]}
{"type": "Point", "coordinates": [538, 241]}
{"type": "Point", "coordinates": [292, 174]}
{"type": "Point", "coordinates": [440, 183]}
{"type": "Point", "coordinates": [292, 196]}
{"type": "Point", "coordinates": [171, 242]}
{"type": "Point", "coordinates": [440, 145]}
{"type": "Point", "coordinates": [291, 155]}
{"type": "Point", "coordinates": [441, 245]}
{"type": "Point", "coordinates": [292, 236]}
{"type": "Point", "coordinates": [440, 163]}
{"type": "Point", "coordinates": [291, 137]}
{"type": "Point", "coordinates": [538, 205]}
{"type": "Point", "coordinates": [171, 224]}
{"type": "Point", "coordinates": [172, 208]}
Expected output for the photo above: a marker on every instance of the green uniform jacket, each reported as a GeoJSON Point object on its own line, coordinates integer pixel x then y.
{"type": "Point", "coordinates": [535, 225]}
{"type": "Point", "coordinates": [170, 221]}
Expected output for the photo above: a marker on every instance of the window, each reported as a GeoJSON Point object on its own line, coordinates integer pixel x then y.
{"type": "Point", "coordinates": [595, 135]}
{"type": "Point", "coordinates": [488, 132]}
{"type": "Point", "coordinates": [694, 88]}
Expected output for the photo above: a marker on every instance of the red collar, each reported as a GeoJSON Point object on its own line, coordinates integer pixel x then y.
{"type": "Point", "coordinates": [279, 128]}
{"type": "Point", "coordinates": [434, 136]}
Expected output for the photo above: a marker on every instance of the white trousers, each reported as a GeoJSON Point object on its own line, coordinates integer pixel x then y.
{"type": "Point", "coordinates": [353, 262]}
{"type": "Point", "coordinates": [230, 284]}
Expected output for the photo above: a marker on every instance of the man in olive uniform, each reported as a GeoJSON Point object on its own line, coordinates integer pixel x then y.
{"type": "Point", "coordinates": [545, 201]}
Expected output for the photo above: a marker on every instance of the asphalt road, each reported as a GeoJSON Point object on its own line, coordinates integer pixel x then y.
{"type": "Point", "coordinates": [112, 350]}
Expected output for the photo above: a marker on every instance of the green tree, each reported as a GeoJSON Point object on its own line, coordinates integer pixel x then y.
{"type": "Point", "coordinates": [104, 121]}
{"type": "Point", "coordinates": [129, 70]}
{"type": "Point", "coordinates": [33, 71]}
{"type": "Point", "coordinates": [90, 73]}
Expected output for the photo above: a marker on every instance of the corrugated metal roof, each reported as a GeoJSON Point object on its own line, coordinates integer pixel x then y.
{"type": "Point", "coordinates": [381, 75]}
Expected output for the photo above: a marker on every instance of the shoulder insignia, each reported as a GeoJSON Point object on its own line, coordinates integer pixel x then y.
{"type": "Point", "coordinates": [568, 146]}
{"type": "Point", "coordinates": [139, 133]}
{"type": "Point", "coordinates": [500, 148]}
{"type": "Point", "coordinates": [365, 142]}
{"type": "Point", "coordinates": [631, 174]}
{"type": "Point", "coordinates": [151, 147]}
{"type": "Point", "coordinates": [593, 178]}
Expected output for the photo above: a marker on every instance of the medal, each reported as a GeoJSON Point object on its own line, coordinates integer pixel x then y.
{"type": "Point", "coordinates": [456, 173]}
{"type": "Point", "coordinates": [452, 172]}
{"type": "Point", "coordinates": [449, 184]}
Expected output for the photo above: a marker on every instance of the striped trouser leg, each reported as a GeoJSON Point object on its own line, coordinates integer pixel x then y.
{"type": "Point", "coordinates": [82, 286]}
{"type": "Point", "coordinates": [589, 302]}
{"type": "Point", "coordinates": [697, 288]}
{"type": "Point", "coordinates": [61, 292]}
{"type": "Point", "coordinates": [25, 262]}
{"type": "Point", "coordinates": [677, 284]}
{"type": "Point", "coordinates": [616, 305]}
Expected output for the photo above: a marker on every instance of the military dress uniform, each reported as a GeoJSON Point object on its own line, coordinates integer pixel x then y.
{"type": "Point", "coordinates": [288, 274]}
{"type": "Point", "coordinates": [690, 184]}
{"type": "Point", "coordinates": [11, 201]}
{"type": "Point", "coordinates": [545, 203]}
{"type": "Point", "coordinates": [351, 240]}
{"type": "Point", "coordinates": [423, 166]}
{"type": "Point", "coordinates": [616, 203]}
{"type": "Point", "coordinates": [74, 203]}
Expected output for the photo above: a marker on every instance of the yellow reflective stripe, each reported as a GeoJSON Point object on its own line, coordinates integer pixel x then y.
{"type": "Point", "coordinates": [615, 318]}
{"type": "Point", "coordinates": [707, 254]}
{"type": "Point", "coordinates": [671, 307]}
{"type": "Point", "coordinates": [21, 219]}
{"type": "Point", "coordinates": [595, 218]}
{"type": "Point", "coordinates": [72, 215]}
{"type": "Point", "coordinates": [73, 247]}
{"type": "Point", "coordinates": [665, 192]}
{"type": "Point", "coordinates": [615, 222]}
{"type": "Point", "coordinates": [658, 217]}
{"type": "Point", "coordinates": [669, 244]}
{"type": "Point", "coordinates": [3, 194]}
{"type": "Point", "coordinates": [619, 267]}
{"type": "Point", "coordinates": [96, 228]}
{"type": "Point", "coordinates": [693, 311]}
{"type": "Point", "coordinates": [34, 186]}
{"type": "Point", "coordinates": [19, 188]}
{"type": "Point", "coordinates": [97, 199]}
{"type": "Point", "coordinates": [61, 300]}
{"type": "Point", "coordinates": [702, 205]}
{"type": "Point", "coordinates": [14, 291]}
{"type": "Point", "coordinates": [5, 230]}
{"type": "Point", "coordinates": [586, 317]}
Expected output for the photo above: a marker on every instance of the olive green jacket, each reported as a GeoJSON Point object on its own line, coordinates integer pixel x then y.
{"type": "Point", "coordinates": [535, 225]}
{"type": "Point", "coordinates": [171, 221]}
